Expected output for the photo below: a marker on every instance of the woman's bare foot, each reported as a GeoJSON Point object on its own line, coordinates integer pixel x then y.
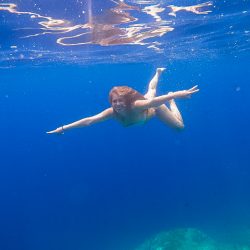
{"type": "Point", "coordinates": [160, 70]}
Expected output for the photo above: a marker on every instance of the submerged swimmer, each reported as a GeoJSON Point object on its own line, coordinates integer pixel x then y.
{"type": "Point", "coordinates": [131, 107]}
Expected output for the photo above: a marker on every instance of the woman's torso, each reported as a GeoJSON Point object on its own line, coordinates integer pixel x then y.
{"type": "Point", "coordinates": [133, 118]}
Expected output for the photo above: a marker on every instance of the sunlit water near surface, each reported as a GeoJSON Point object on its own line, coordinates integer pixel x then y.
{"type": "Point", "coordinates": [80, 32]}
{"type": "Point", "coordinates": [106, 187]}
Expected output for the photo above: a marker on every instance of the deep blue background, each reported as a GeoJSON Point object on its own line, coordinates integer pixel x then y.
{"type": "Point", "coordinates": [107, 187]}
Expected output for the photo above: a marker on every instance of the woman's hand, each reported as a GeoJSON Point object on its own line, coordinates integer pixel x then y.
{"type": "Point", "coordinates": [186, 93]}
{"type": "Point", "coordinates": [59, 130]}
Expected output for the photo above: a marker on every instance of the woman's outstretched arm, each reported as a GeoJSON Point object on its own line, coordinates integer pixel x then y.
{"type": "Point", "coordinates": [104, 115]}
{"type": "Point", "coordinates": [159, 100]}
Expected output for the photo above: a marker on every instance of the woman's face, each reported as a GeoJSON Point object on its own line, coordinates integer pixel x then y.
{"type": "Point", "coordinates": [118, 103]}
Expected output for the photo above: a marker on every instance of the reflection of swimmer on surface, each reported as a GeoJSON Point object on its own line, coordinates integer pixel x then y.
{"type": "Point", "coordinates": [112, 27]}
{"type": "Point", "coordinates": [130, 107]}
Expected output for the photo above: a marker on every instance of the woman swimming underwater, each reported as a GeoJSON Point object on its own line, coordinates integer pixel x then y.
{"type": "Point", "coordinates": [130, 107]}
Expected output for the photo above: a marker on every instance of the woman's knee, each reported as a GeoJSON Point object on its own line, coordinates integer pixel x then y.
{"type": "Point", "coordinates": [179, 125]}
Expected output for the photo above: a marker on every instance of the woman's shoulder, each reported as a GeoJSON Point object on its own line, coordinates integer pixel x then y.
{"type": "Point", "coordinates": [107, 113]}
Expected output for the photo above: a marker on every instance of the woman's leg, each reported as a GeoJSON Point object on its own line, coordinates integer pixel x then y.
{"type": "Point", "coordinates": [175, 110]}
{"type": "Point", "coordinates": [170, 116]}
{"type": "Point", "coordinates": [153, 84]}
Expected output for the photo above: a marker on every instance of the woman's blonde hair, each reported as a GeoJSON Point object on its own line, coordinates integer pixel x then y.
{"type": "Point", "coordinates": [130, 95]}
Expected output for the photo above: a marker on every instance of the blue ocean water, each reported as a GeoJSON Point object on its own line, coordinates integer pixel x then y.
{"type": "Point", "coordinates": [106, 187]}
